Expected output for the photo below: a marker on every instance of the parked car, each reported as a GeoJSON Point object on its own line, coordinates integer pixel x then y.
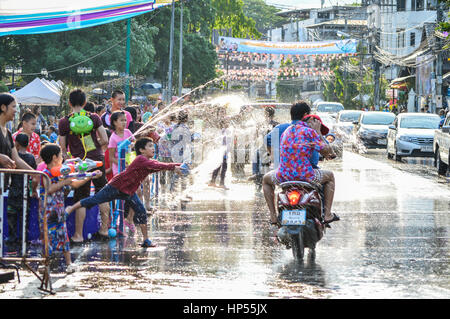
{"type": "Point", "coordinates": [329, 107]}
{"type": "Point", "coordinates": [412, 134]}
{"type": "Point", "coordinates": [344, 121]}
{"type": "Point", "coordinates": [441, 147]}
{"type": "Point", "coordinates": [371, 129]}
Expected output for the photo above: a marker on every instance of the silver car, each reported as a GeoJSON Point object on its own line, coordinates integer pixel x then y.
{"type": "Point", "coordinates": [345, 119]}
{"type": "Point", "coordinates": [412, 134]}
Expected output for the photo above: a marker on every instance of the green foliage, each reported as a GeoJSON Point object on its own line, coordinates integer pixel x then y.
{"type": "Point", "coordinates": [229, 14]}
{"type": "Point", "coordinates": [149, 45]}
{"type": "Point", "coordinates": [264, 15]}
{"type": "Point", "coordinates": [3, 87]}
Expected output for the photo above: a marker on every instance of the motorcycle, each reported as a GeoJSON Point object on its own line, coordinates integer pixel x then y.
{"type": "Point", "coordinates": [301, 216]}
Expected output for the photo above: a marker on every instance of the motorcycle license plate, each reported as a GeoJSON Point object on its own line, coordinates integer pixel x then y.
{"type": "Point", "coordinates": [293, 217]}
{"type": "Point", "coordinates": [426, 148]}
{"type": "Point", "coordinates": [382, 141]}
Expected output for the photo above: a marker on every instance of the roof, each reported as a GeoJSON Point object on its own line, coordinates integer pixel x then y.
{"type": "Point", "coordinates": [401, 80]}
{"type": "Point", "coordinates": [340, 22]}
{"type": "Point", "coordinates": [38, 92]}
{"type": "Point", "coordinates": [417, 114]}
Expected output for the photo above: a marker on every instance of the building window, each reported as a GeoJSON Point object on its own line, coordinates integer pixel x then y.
{"type": "Point", "coordinates": [431, 5]}
{"type": "Point", "coordinates": [400, 38]}
{"type": "Point", "coordinates": [413, 5]}
{"type": "Point", "coordinates": [412, 39]}
{"type": "Point", "coordinates": [420, 5]}
{"type": "Point", "coordinates": [401, 5]}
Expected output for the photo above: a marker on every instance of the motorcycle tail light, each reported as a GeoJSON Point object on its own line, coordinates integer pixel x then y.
{"type": "Point", "coordinates": [294, 197]}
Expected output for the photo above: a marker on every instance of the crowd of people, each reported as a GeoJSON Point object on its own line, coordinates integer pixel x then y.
{"type": "Point", "coordinates": [45, 144]}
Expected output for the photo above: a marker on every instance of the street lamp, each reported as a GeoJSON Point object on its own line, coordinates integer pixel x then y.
{"type": "Point", "coordinates": [84, 71]}
{"type": "Point", "coordinates": [110, 74]}
{"type": "Point", "coordinates": [13, 71]}
{"type": "Point", "coordinates": [44, 72]}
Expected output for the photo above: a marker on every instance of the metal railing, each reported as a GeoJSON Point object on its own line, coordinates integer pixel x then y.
{"type": "Point", "coordinates": [46, 284]}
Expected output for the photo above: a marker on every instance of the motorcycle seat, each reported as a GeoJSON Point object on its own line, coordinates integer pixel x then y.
{"type": "Point", "coordinates": [301, 184]}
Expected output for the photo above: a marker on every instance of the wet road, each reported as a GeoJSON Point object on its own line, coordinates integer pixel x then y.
{"type": "Point", "coordinates": [392, 242]}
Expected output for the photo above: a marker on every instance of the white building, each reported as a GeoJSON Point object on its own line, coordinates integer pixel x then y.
{"type": "Point", "coordinates": [400, 26]}
{"type": "Point", "coordinates": [318, 24]}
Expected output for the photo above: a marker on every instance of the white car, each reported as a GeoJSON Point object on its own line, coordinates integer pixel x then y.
{"type": "Point", "coordinates": [412, 134]}
{"type": "Point", "coordinates": [331, 108]}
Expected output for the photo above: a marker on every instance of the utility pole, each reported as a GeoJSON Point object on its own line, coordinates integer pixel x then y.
{"type": "Point", "coordinates": [439, 19]}
{"type": "Point", "coordinates": [180, 67]}
{"type": "Point", "coordinates": [170, 72]}
{"type": "Point", "coordinates": [376, 67]}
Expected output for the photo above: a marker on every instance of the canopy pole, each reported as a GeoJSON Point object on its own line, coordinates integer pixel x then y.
{"type": "Point", "coordinates": [127, 71]}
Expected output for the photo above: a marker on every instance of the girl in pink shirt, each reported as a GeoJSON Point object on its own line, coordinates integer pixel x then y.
{"type": "Point", "coordinates": [120, 133]}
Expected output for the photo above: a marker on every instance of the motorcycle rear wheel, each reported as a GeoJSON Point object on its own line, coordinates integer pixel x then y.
{"type": "Point", "coordinates": [298, 247]}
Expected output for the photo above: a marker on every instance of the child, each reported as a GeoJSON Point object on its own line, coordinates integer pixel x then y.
{"type": "Point", "coordinates": [124, 185]}
{"type": "Point", "coordinates": [56, 218]}
{"type": "Point", "coordinates": [53, 134]}
{"type": "Point", "coordinates": [15, 195]}
{"type": "Point", "coordinates": [120, 133]}
{"type": "Point", "coordinates": [28, 126]}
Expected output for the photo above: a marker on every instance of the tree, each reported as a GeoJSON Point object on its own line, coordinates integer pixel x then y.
{"type": "Point", "coordinates": [264, 15]}
{"type": "Point", "coordinates": [229, 14]}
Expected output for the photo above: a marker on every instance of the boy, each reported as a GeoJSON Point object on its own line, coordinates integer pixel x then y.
{"type": "Point", "coordinates": [125, 184]}
{"type": "Point", "coordinates": [56, 218]}
{"type": "Point", "coordinates": [15, 195]}
{"type": "Point", "coordinates": [87, 146]}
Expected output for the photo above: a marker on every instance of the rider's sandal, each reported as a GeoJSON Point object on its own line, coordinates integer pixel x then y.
{"type": "Point", "coordinates": [334, 219]}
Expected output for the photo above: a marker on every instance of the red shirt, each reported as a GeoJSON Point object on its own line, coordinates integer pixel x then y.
{"type": "Point", "coordinates": [129, 180]}
{"type": "Point", "coordinates": [74, 143]}
{"type": "Point", "coordinates": [34, 143]}
{"type": "Point", "coordinates": [109, 175]}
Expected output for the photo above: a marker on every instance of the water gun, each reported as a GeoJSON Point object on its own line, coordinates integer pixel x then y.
{"type": "Point", "coordinates": [76, 168]}
{"type": "Point", "coordinates": [185, 169]}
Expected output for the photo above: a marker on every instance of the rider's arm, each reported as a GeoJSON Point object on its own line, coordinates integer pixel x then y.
{"type": "Point", "coordinates": [327, 151]}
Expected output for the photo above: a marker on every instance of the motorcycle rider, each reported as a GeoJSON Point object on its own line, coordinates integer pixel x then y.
{"type": "Point", "coordinates": [298, 142]}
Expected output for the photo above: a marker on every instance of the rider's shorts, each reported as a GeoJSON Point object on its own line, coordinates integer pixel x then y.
{"type": "Point", "coordinates": [317, 176]}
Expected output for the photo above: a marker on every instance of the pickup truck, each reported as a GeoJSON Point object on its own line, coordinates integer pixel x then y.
{"type": "Point", "coordinates": [441, 147]}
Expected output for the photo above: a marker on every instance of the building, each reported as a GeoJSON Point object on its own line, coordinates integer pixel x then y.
{"type": "Point", "coordinates": [404, 31]}
{"type": "Point", "coordinates": [317, 24]}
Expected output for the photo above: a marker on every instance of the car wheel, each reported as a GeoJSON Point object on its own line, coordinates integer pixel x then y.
{"type": "Point", "coordinates": [441, 166]}
{"type": "Point", "coordinates": [389, 155]}
{"type": "Point", "coordinates": [397, 157]}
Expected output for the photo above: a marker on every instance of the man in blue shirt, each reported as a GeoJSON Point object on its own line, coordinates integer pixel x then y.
{"type": "Point", "coordinates": [275, 135]}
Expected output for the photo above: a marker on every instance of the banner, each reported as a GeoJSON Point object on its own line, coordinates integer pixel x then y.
{"type": "Point", "coordinates": [46, 16]}
{"type": "Point", "coordinates": [303, 48]}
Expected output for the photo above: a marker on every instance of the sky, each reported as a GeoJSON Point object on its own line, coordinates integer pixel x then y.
{"type": "Point", "coordinates": [310, 3]}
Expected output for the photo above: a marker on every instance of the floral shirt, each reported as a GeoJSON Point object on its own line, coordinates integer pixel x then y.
{"type": "Point", "coordinates": [56, 218]}
{"type": "Point", "coordinates": [34, 144]}
{"type": "Point", "coordinates": [297, 145]}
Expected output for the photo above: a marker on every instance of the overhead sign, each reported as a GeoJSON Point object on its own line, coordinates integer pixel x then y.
{"type": "Point", "coordinates": [295, 48]}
